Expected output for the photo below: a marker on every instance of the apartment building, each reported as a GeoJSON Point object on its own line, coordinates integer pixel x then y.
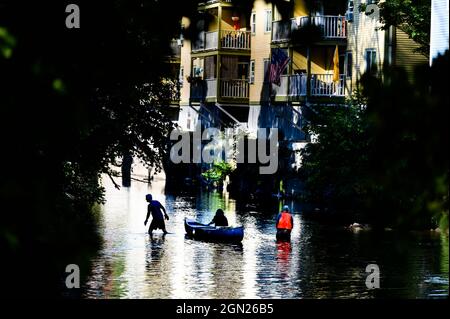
{"type": "Point", "coordinates": [439, 41]}
{"type": "Point", "coordinates": [369, 47]}
{"type": "Point", "coordinates": [215, 68]}
{"type": "Point", "coordinates": [331, 44]}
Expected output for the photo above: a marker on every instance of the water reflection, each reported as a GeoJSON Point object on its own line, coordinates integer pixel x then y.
{"type": "Point", "coordinates": [319, 262]}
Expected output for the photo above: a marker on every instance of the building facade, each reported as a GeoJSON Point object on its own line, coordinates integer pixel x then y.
{"type": "Point", "coordinates": [331, 44]}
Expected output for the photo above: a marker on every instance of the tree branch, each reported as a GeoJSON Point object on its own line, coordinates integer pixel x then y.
{"type": "Point", "coordinates": [114, 182]}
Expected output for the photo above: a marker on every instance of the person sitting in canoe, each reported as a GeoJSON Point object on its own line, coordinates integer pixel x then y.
{"type": "Point", "coordinates": [154, 208]}
{"type": "Point", "coordinates": [219, 219]}
{"type": "Point", "coordinates": [285, 223]}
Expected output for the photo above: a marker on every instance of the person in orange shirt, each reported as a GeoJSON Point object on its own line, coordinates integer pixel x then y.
{"type": "Point", "coordinates": [285, 223]}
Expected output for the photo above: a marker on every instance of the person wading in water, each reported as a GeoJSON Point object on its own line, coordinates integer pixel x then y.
{"type": "Point", "coordinates": [285, 223]}
{"type": "Point", "coordinates": [154, 208]}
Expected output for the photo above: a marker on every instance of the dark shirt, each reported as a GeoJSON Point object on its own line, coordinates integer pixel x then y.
{"type": "Point", "coordinates": [155, 208]}
{"type": "Point", "coordinates": [220, 221]}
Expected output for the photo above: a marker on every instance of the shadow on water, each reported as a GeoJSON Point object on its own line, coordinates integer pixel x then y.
{"type": "Point", "coordinates": [321, 261]}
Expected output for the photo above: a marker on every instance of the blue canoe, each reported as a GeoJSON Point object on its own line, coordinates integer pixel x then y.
{"type": "Point", "coordinates": [209, 233]}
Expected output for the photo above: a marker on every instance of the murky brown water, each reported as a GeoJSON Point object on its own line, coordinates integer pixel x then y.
{"type": "Point", "coordinates": [320, 262]}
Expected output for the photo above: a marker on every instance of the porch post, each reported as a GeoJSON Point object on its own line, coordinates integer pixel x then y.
{"type": "Point", "coordinates": [308, 72]}
{"type": "Point", "coordinates": [219, 46]}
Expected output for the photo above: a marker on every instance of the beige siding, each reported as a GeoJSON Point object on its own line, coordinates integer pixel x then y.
{"type": "Point", "coordinates": [260, 49]}
{"type": "Point", "coordinates": [404, 53]}
{"type": "Point", "coordinates": [363, 34]}
{"type": "Point", "coordinates": [185, 63]}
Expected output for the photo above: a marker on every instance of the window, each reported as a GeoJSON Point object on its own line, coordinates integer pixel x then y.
{"type": "Point", "coordinates": [371, 60]}
{"type": "Point", "coordinates": [181, 76]}
{"type": "Point", "coordinates": [266, 70]}
{"type": "Point", "coordinates": [349, 64]}
{"type": "Point", "coordinates": [253, 22]}
{"type": "Point", "coordinates": [251, 76]}
{"type": "Point", "coordinates": [350, 9]}
{"type": "Point", "coordinates": [268, 21]}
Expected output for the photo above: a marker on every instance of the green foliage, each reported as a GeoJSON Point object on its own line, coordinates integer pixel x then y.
{"type": "Point", "coordinates": [218, 172]}
{"type": "Point", "coordinates": [412, 17]}
{"type": "Point", "coordinates": [383, 156]}
{"type": "Point", "coordinates": [335, 166]}
{"type": "Point", "coordinates": [7, 43]}
{"type": "Point", "coordinates": [409, 161]}
{"type": "Point", "coordinates": [73, 101]}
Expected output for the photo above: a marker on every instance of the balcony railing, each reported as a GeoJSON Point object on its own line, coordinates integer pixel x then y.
{"type": "Point", "coordinates": [207, 89]}
{"type": "Point", "coordinates": [175, 49]}
{"type": "Point", "coordinates": [332, 27]}
{"type": "Point", "coordinates": [235, 89]}
{"type": "Point", "coordinates": [291, 85]}
{"type": "Point", "coordinates": [239, 40]}
{"type": "Point", "coordinates": [321, 85]}
{"type": "Point", "coordinates": [211, 88]}
{"type": "Point", "coordinates": [229, 39]}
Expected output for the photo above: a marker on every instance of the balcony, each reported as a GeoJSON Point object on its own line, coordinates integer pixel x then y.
{"type": "Point", "coordinates": [291, 86]}
{"type": "Point", "coordinates": [332, 27]}
{"type": "Point", "coordinates": [229, 40]}
{"type": "Point", "coordinates": [230, 89]}
{"type": "Point", "coordinates": [321, 85]}
{"type": "Point", "coordinates": [235, 89]}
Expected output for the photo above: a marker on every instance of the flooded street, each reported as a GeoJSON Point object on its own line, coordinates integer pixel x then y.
{"type": "Point", "coordinates": [320, 262]}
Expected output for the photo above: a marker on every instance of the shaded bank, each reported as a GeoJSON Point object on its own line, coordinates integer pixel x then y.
{"type": "Point", "coordinates": [383, 158]}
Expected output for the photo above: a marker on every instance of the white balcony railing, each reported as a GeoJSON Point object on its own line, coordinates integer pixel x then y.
{"type": "Point", "coordinates": [282, 89]}
{"type": "Point", "coordinates": [323, 85]}
{"type": "Point", "coordinates": [206, 41]}
{"type": "Point", "coordinates": [234, 89]}
{"type": "Point", "coordinates": [291, 85]}
{"type": "Point", "coordinates": [239, 40]}
{"type": "Point", "coordinates": [211, 88]}
{"type": "Point", "coordinates": [297, 85]}
{"type": "Point", "coordinates": [229, 39]}
{"type": "Point", "coordinates": [332, 27]}
{"type": "Point", "coordinates": [211, 40]}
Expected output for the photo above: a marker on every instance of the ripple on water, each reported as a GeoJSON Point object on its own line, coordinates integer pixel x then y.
{"type": "Point", "coordinates": [319, 262]}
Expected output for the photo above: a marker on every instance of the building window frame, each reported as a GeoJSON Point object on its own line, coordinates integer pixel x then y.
{"type": "Point", "coordinates": [251, 71]}
{"type": "Point", "coordinates": [181, 76]}
{"type": "Point", "coordinates": [370, 57]}
{"type": "Point", "coordinates": [268, 20]}
{"type": "Point", "coordinates": [253, 23]}
{"type": "Point", "coordinates": [350, 11]}
{"type": "Point", "coordinates": [349, 64]}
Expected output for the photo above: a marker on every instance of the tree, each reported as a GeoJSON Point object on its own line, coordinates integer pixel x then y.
{"type": "Point", "coordinates": [412, 17]}
{"type": "Point", "coordinates": [383, 159]}
{"type": "Point", "coordinates": [335, 167]}
{"type": "Point", "coordinates": [72, 101]}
